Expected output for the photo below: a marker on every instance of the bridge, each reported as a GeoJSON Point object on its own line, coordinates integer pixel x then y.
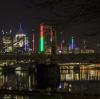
{"type": "Point", "coordinates": [59, 58]}
{"type": "Point", "coordinates": [24, 84]}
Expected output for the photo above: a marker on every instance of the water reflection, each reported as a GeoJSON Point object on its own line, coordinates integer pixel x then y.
{"type": "Point", "coordinates": [74, 78]}
{"type": "Point", "coordinates": [80, 72]}
{"type": "Point", "coordinates": [16, 78]}
{"type": "Point", "coordinates": [80, 78]}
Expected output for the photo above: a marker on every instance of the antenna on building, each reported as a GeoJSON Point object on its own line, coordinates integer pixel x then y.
{"type": "Point", "coordinates": [10, 31]}
{"type": "Point", "coordinates": [20, 29]}
{"type": "Point", "coordinates": [84, 44]}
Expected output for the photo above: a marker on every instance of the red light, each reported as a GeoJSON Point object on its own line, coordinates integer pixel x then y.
{"type": "Point", "coordinates": [41, 30]}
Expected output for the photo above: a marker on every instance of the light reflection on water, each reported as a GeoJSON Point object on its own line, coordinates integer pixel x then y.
{"type": "Point", "coordinates": [21, 79]}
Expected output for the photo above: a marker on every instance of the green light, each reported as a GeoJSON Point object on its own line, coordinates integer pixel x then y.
{"type": "Point", "coordinates": [41, 44]}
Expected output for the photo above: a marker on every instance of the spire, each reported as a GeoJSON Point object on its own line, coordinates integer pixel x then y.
{"type": "Point", "coordinates": [2, 31]}
{"type": "Point", "coordinates": [72, 44]}
{"type": "Point", "coordinates": [20, 31]}
{"type": "Point", "coordinates": [10, 31]}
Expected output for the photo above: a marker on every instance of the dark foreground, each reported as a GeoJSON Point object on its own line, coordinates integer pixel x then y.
{"type": "Point", "coordinates": [7, 94]}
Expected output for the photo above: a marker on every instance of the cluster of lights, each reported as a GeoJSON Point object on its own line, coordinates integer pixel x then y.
{"type": "Point", "coordinates": [20, 35]}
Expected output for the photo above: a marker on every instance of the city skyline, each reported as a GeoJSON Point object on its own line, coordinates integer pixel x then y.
{"type": "Point", "coordinates": [34, 43]}
{"type": "Point", "coordinates": [80, 17]}
{"type": "Point", "coordinates": [49, 49]}
{"type": "Point", "coordinates": [79, 43]}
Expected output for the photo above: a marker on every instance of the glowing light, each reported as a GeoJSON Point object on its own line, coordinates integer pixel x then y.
{"type": "Point", "coordinates": [62, 44]}
{"type": "Point", "coordinates": [20, 35]}
{"type": "Point", "coordinates": [18, 70]}
{"type": "Point", "coordinates": [33, 42]}
{"type": "Point", "coordinates": [72, 42]}
{"type": "Point", "coordinates": [41, 38]}
{"type": "Point", "coordinates": [25, 44]}
{"type": "Point", "coordinates": [10, 31]}
{"type": "Point", "coordinates": [60, 52]}
{"type": "Point", "coordinates": [42, 30]}
{"type": "Point", "coordinates": [41, 44]}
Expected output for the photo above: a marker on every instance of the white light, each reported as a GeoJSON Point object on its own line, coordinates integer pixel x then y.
{"type": "Point", "coordinates": [60, 51]}
{"type": "Point", "coordinates": [20, 35]}
{"type": "Point", "coordinates": [60, 86]}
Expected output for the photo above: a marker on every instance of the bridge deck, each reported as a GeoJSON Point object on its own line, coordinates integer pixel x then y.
{"type": "Point", "coordinates": [61, 58]}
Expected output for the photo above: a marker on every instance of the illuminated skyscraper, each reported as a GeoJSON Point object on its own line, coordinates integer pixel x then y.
{"type": "Point", "coordinates": [21, 41]}
{"type": "Point", "coordinates": [7, 41]}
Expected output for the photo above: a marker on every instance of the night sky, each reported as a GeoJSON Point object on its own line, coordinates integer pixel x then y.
{"type": "Point", "coordinates": [80, 17]}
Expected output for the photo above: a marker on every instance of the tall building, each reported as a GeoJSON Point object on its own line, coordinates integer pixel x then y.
{"type": "Point", "coordinates": [7, 41]}
{"type": "Point", "coordinates": [20, 40]}
{"type": "Point", "coordinates": [47, 38]}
